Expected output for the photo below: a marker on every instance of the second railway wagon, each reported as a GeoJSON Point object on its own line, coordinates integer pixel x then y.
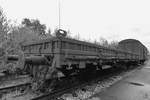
{"type": "Point", "coordinates": [136, 47]}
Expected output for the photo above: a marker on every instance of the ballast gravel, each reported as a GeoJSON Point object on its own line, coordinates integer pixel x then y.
{"type": "Point", "coordinates": [78, 94]}
{"type": "Point", "coordinates": [89, 90]}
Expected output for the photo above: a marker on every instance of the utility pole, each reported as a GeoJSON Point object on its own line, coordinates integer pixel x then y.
{"type": "Point", "coordinates": [59, 14]}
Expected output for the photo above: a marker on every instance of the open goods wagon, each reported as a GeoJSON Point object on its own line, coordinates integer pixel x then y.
{"type": "Point", "coordinates": [70, 55]}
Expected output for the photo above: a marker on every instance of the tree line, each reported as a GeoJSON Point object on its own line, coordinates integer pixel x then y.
{"type": "Point", "coordinates": [13, 36]}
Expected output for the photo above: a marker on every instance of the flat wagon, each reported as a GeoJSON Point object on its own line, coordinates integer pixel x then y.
{"type": "Point", "coordinates": [70, 55]}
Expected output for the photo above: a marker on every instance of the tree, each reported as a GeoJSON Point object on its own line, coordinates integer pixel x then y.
{"type": "Point", "coordinates": [35, 25]}
{"type": "Point", "coordinates": [97, 43]}
{"type": "Point", "coordinates": [18, 36]}
{"type": "Point", "coordinates": [113, 44]}
{"type": "Point", "coordinates": [23, 34]}
{"type": "Point", "coordinates": [26, 22]}
{"type": "Point", "coordinates": [49, 31]}
{"type": "Point", "coordinates": [77, 37]}
{"type": "Point", "coordinates": [4, 29]}
{"type": "Point", "coordinates": [103, 42]}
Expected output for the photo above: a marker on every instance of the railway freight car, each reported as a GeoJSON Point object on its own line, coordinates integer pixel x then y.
{"type": "Point", "coordinates": [66, 55]}
{"type": "Point", "coordinates": [134, 46]}
{"type": "Point", "coordinates": [69, 55]}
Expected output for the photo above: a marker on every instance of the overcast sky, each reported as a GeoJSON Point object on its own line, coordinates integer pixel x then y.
{"type": "Point", "coordinates": [91, 19]}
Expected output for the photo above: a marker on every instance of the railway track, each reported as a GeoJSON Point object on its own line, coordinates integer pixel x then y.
{"type": "Point", "coordinates": [65, 87]}
{"type": "Point", "coordinates": [17, 84]}
{"type": "Point", "coordinates": [53, 95]}
{"type": "Point", "coordinates": [13, 87]}
{"type": "Point", "coordinates": [8, 78]}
